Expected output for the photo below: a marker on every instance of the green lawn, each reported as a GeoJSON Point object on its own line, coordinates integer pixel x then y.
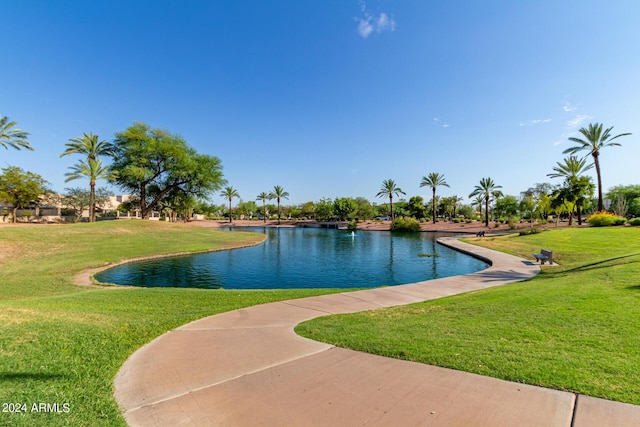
{"type": "Point", "coordinates": [574, 327]}
{"type": "Point", "coordinates": [63, 344]}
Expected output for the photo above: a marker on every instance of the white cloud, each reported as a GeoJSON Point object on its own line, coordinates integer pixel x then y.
{"type": "Point", "coordinates": [364, 27]}
{"type": "Point", "coordinates": [577, 121]}
{"type": "Point", "coordinates": [568, 107]}
{"type": "Point", "coordinates": [369, 23]}
{"type": "Point", "coordinates": [571, 128]}
{"type": "Point", "coordinates": [535, 122]}
{"type": "Point", "coordinates": [446, 125]}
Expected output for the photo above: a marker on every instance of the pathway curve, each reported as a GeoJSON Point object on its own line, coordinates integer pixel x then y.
{"type": "Point", "coordinates": [249, 368]}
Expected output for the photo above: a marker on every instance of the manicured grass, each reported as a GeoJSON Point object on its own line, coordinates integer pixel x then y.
{"type": "Point", "coordinates": [575, 327]}
{"type": "Point", "coordinates": [61, 343]}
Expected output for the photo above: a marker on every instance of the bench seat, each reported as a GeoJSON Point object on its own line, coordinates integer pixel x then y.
{"type": "Point", "coordinates": [544, 256]}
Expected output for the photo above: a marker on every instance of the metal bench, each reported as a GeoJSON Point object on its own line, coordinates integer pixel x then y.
{"type": "Point", "coordinates": [543, 256]}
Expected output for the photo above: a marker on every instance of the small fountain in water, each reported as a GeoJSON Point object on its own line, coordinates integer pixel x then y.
{"type": "Point", "coordinates": [353, 234]}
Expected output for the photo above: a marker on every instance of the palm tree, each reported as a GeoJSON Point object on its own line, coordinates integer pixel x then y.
{"type": "Point", "coordinates": [10, 137]}
{"type": "Point", "coordinates": [595, 140]}
{"type": "Point", "coordinates": [388, 189]}
{"type": "Point", "coordinates": [230, 193]}
{"type": "Point", "coordinates": [90, 146]}
{"type": "Point", "coordinates": [433, 180]}
{"type": "Point", "coordinates": [264, 197]}
{"type": "Point", "coordinates": [571, 168]}
{"type": "Point", "coordinates": [486, 189]}
{"type": "Point", "coordinates": [576, 187]}
{"type": "Point", "coordinates": [479, 201]}
{"type": "Point", "coordinates": [94, 170]}
{"type": "Point", "coordinates": [278, 193]}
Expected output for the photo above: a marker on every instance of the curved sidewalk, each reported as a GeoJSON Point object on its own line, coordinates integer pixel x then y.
{"type": "Point", "coordinates": [249, 368]}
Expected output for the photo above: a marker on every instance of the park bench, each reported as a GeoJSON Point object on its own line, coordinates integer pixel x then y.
{"type": "Point", "coordinates": [480, 234]}
{"type": "Point", "coordinates": [543, 256]}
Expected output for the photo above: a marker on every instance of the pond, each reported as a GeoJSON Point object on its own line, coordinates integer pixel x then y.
{"type": "Point", "coordinates": [305, 258]}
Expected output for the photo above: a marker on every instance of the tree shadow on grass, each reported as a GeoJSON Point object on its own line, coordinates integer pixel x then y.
{"type": "Point", "coordinates": [38, 376]}
{"type": "Point", "coordinates": [595, 265]}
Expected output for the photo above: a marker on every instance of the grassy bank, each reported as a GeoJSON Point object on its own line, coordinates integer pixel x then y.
{"type": "Point", "coordinates": [63, 344]}
{"type": "Point", "coordinates": [574, 327]}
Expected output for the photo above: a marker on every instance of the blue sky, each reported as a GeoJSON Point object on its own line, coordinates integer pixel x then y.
{"type": "Point", "coordinates": [330, 98]}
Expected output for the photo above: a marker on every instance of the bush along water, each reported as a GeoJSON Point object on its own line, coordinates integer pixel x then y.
{"type": "Point", "coordinates": [604, 219]}
{"type": "Point", "coordinates": [405, 224]}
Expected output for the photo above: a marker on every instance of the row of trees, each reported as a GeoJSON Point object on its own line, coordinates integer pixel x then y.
{"type": "Point", "coordinates": [164, 173]}
{"type": "Point", "coordinates": [278, 194]}
{"type": "Point", "coordinates": [158, 167]}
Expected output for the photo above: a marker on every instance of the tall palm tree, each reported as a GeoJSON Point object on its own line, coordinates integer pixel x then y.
{"type": "Point", "coordinates": [229, 193]}
{"type": "Point", "coordinates": [487, 189]}
{"type": "Point", "coordinates": [11, 137]}
{"type": "Point", "coordinates": [264, 197]}
{"type": "Point", "coordinates": [94, 170]}
{"type": "Point", "coordinates": [90, 146]}
{"type": "Point", "coordinates": [433, 180]}
{"type": "Point", "coordinates": [389, 188]}
{"type": "Point", "coordinates": [278, 193]}
{"type": "Point", "coordinates": [595, 140]}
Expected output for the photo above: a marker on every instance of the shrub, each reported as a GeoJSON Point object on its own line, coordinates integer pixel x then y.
{"type": "Point", "coordinates": [352, 226]}
{"type": "Point", "coordinates": [405, 224]}
{"type": "Point", "coordinates": [634, 221]}
{"type": "Point", "coordinates": [604, 219]}
{"type": "Point", "coordinates": [528, 231]}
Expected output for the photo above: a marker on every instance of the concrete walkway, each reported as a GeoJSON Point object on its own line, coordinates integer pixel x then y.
{"type": "Point", "coordinates": [249, 368]}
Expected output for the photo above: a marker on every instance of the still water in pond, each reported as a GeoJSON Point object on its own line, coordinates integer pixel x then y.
{"type": "Point", "coordinates": [305, 258]}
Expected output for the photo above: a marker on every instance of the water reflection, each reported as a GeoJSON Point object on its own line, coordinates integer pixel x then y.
{"type": "Point", "coordinates": [305, 258]}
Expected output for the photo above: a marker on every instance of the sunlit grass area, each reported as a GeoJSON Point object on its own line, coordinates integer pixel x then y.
{"type": "Point", "coordinates": [63, 344]}
{"type": "Point", "coordinates": [574, 327]}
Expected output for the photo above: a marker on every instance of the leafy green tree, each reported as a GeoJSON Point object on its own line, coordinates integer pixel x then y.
{"type": "Point", "coordinates": [324, 210]}
{"type": "Point", "coordinates": [152, 162]}
{"type": "Point", "coordinates": [629, 196]}
{"type": "Point", "coordinates": [416, 207]}
{"type": "Point", "coordinates": [389, 188]}
{"type": "Point", "coordinates": [466, 211]}
{"type": "Point", "coordinates": [177, 204]}
{"type": "Point", "coordinates": [434, 180]}
{"type": "Point", "coordinates": [78, 199]}
{"type": "Point", "coordinates": [229, 193]}
{"type": "Point", "coordinates": [540, 193]}
{"type": "Point", "coordinates": [506, 206]}
{"type": "Point", "coordinates": [278, 193]}
{"type": "Point", "coordinates": [246, 209]}
{"type": "Point", "coordinates": [344, 207]}
{"type": "Point", "coordinates": [365, 209]}
{"type": "Point", "coordinates": [12, 137]}
{"type": "Point", "coordinates": [308, 210]}
{"type": "Point", "coordinates": [263, 197]}
{"type": "Point", "coordinates": [21, 189]}
{"type": "Point", "coordinates": [91, 147]}
{"type": "Point", "coordinates": [526, 206]}
{"type": "Point", "coordinates": [487, 189]}
{"type": "Point", "coordinates": [594, 141]}
{"type": "Point", "coordinates": [574, 194]}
